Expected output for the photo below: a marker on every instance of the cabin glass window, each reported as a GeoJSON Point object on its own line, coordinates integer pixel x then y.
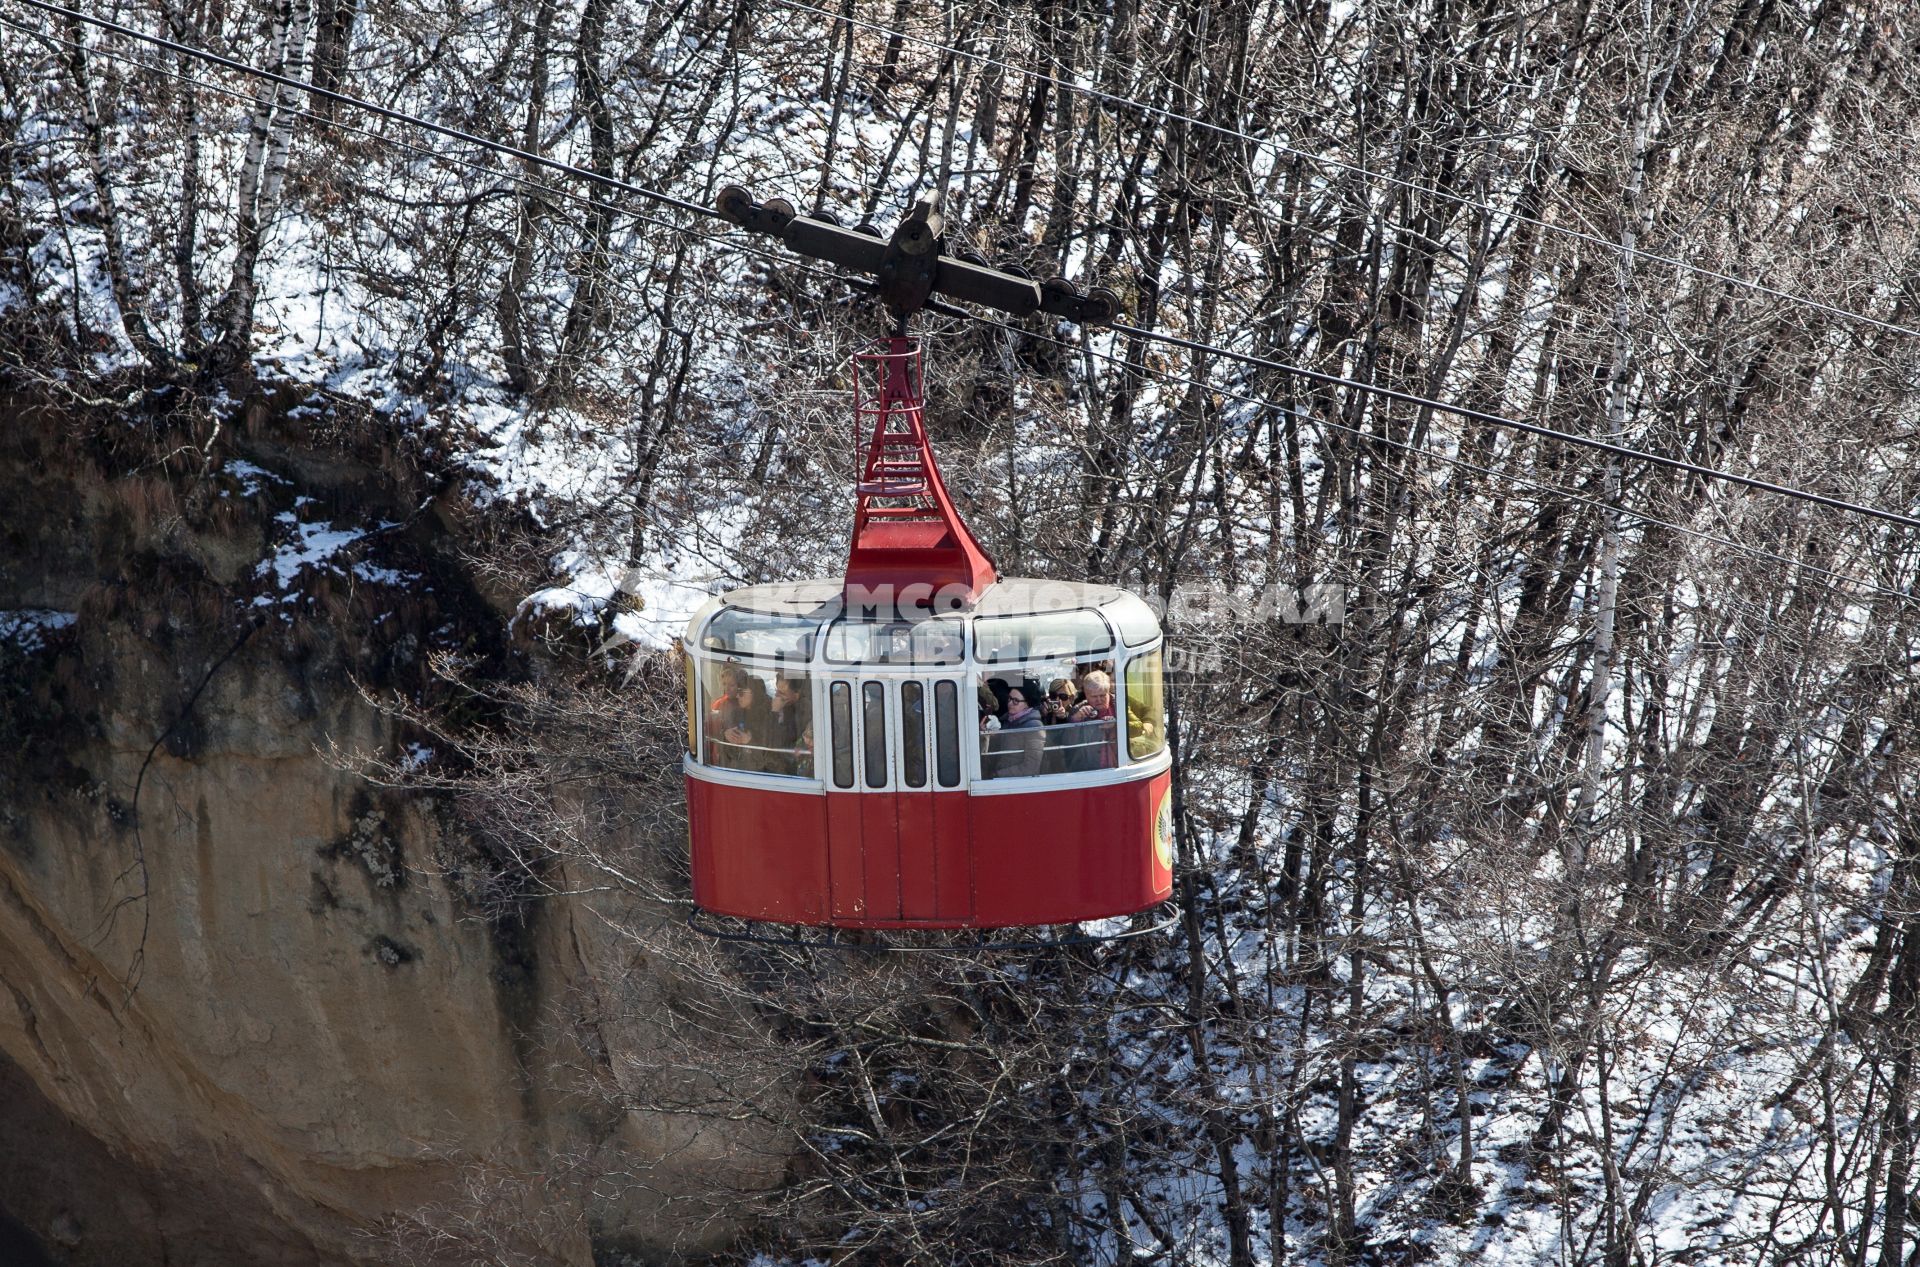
{"type": "Point", "coordinates": [913, 734]}
{"type": "Point", "coordinates": [873, 727]}
{"type": "Point", "coordinates": [762, 636]}
{"type": "Point", "coordinates": [1045, 636]}
{"type": "Point", "coordinates": [1146, 707]}
{"type": "Point", "coordinates": [1062, 723]}
{"type": "Point", "coordinates": [946, 731]}
{"type": "Point", "coordinates": [896, 642]}
{"type": "Point", "coordinates": [693, 706]}
{"type": "Point", "coordinates": [755, 719]}
{"type": "Point", "coordinates": [840, 704]}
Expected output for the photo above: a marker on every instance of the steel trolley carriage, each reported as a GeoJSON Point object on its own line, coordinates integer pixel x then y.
{"type": "Point", "coordinates": [840, 767]}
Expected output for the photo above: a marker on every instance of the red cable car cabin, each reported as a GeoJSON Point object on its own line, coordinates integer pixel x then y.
{"type": "Point", "coordinates": [841, 768]}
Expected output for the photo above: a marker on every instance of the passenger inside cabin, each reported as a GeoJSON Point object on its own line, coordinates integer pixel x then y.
{"type": "Point", "coordinates": [752, 720]}
{"type": "Point", "coordinates": [1021, 743]}
{"type": "Point", "coordinates": [1075, 715]}
{"type": "Point", "coordinates": [1095, 713]}
{"type": "Point", "coordinates": [724, 713]}
{"type": "Point", "coordinates": [789, 718]}
{"type": "Point", "coordinates": [989, 708]}
{"type": "Point", "coordinates": [1061, 700]}
{"type": "Point", "coordinates": [1097, 687]}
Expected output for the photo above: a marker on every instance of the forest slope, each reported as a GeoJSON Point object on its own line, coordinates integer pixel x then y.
{"type": "Point", "coordinates": [1556, 904]}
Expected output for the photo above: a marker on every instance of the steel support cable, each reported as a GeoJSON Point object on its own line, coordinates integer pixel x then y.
{"type": "Point", "coordinates": [1531, 428]}
{"type": "Point", "coordinates": [360, 103]}
{"type": "Point", "coordinates": [1356, 169]}
{"type": "Point", "coordinates": [1853, 583]}
{"type": "Point", "coordinates": [841, 279]}
{"type": "Point", "coordinates": [1283, 148]}
{"type": "Point", "coordinates": [1320, 376]}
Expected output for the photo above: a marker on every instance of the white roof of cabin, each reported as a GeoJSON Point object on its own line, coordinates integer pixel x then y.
{"type": "Point", "coordinates": [1009, 596]}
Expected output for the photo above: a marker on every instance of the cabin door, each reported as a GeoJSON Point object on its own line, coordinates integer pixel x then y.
{"type": "Point", "coordinates": [897, 809]}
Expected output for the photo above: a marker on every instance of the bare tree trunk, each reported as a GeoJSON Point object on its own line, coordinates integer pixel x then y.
{"type": "Point", "coordinates": [837, 94]}
{"type": "Point", "coordinates": [129, 301]}
{"type": "Point", "coordinates": [516, 351]}
{"type": "Point", "coordinates": [263, 169]}
{"type": "Point", "coordinates": [584, 312]}
{"type": "Point", "coordinates": [186, 239]}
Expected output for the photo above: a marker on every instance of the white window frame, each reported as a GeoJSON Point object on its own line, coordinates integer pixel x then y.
{"type": "Point", "coordinates": [965, 676]}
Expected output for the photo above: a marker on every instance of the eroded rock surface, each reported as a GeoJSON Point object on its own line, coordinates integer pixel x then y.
{"type": "Point", "coordinates": [249, 1017]}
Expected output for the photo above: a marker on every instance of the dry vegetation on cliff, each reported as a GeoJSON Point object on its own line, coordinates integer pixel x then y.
{"type": "Point", "coordinates": [1560, 905]}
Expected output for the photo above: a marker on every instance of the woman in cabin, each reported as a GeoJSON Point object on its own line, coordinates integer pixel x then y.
{"type": "Point", "coordinates": [1061, 700]}
{"type": "Point", "coordinates": [790, 720]}
{"type": "Point", "coordinates": [752, 723]}
{"type": "Point", "coordinates": [1022, 741]}
{"type": "Point", "coordinates": [722, 715]}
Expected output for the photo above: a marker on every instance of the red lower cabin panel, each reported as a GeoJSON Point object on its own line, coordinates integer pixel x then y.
{"type": "Point", "coordinates": [842, 815]}
{"type": "Point", "coordinates": [758, 854]}
{"type": "Point", "coordinates": [879, 855]}
{"type": "Point", "coordinates": [917, 853]}
{"type": "Point", "coordinates": [1056, 857]}
{"type": "Point", "coordinates": [952, 858]}
{"type": "Point", "coordinates": [927, 859]}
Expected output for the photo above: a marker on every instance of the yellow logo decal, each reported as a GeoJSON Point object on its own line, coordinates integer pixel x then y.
{"type": "Point", "coordinates": [1163, 831]}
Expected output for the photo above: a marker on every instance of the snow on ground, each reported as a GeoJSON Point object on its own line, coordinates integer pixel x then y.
{"type": "Point", "coordinates": [314, 546]}
{"type": "Point", "coordinates": [1710, 1147]}
{"type": "Point", "coordinates": [252, 479]}
{"type": "Point", "coordinates": [28, 628]}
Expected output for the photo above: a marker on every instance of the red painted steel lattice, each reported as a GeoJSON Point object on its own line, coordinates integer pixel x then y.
{"type": "Point", "coordinates": [906, 531]}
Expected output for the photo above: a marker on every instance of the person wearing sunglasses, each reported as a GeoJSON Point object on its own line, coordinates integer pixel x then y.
{"type": "Point", "coordinates": [1061, 700]}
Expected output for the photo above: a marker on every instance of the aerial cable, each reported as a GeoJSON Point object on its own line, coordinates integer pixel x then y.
{"type": "Point", "coordinates": [1843, 580]}
{"type": "Point", "coordinates": [1022, 297]}
{"type": "Point", "coordinates": [1850, 582]}
{"type": "Point", "coordinates": [360, 103]}
{"type": "Point", "coordinates": [1532, 428]}
{"type": "Point", "coordinates": [1320, 376]}
{"type": "Point", "coordinates": [1280, 147]}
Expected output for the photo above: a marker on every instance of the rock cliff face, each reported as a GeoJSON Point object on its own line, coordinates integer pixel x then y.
{"type": "Point", "coordinates": [244, 1017]}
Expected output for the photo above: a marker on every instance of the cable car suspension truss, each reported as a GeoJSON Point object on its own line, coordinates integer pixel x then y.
{"type": "Point", "coordinates": [909, 540]}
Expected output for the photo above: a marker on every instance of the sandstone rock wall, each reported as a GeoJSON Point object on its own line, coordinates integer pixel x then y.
{"type": "Point", "coordinates": [248, 1019]}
